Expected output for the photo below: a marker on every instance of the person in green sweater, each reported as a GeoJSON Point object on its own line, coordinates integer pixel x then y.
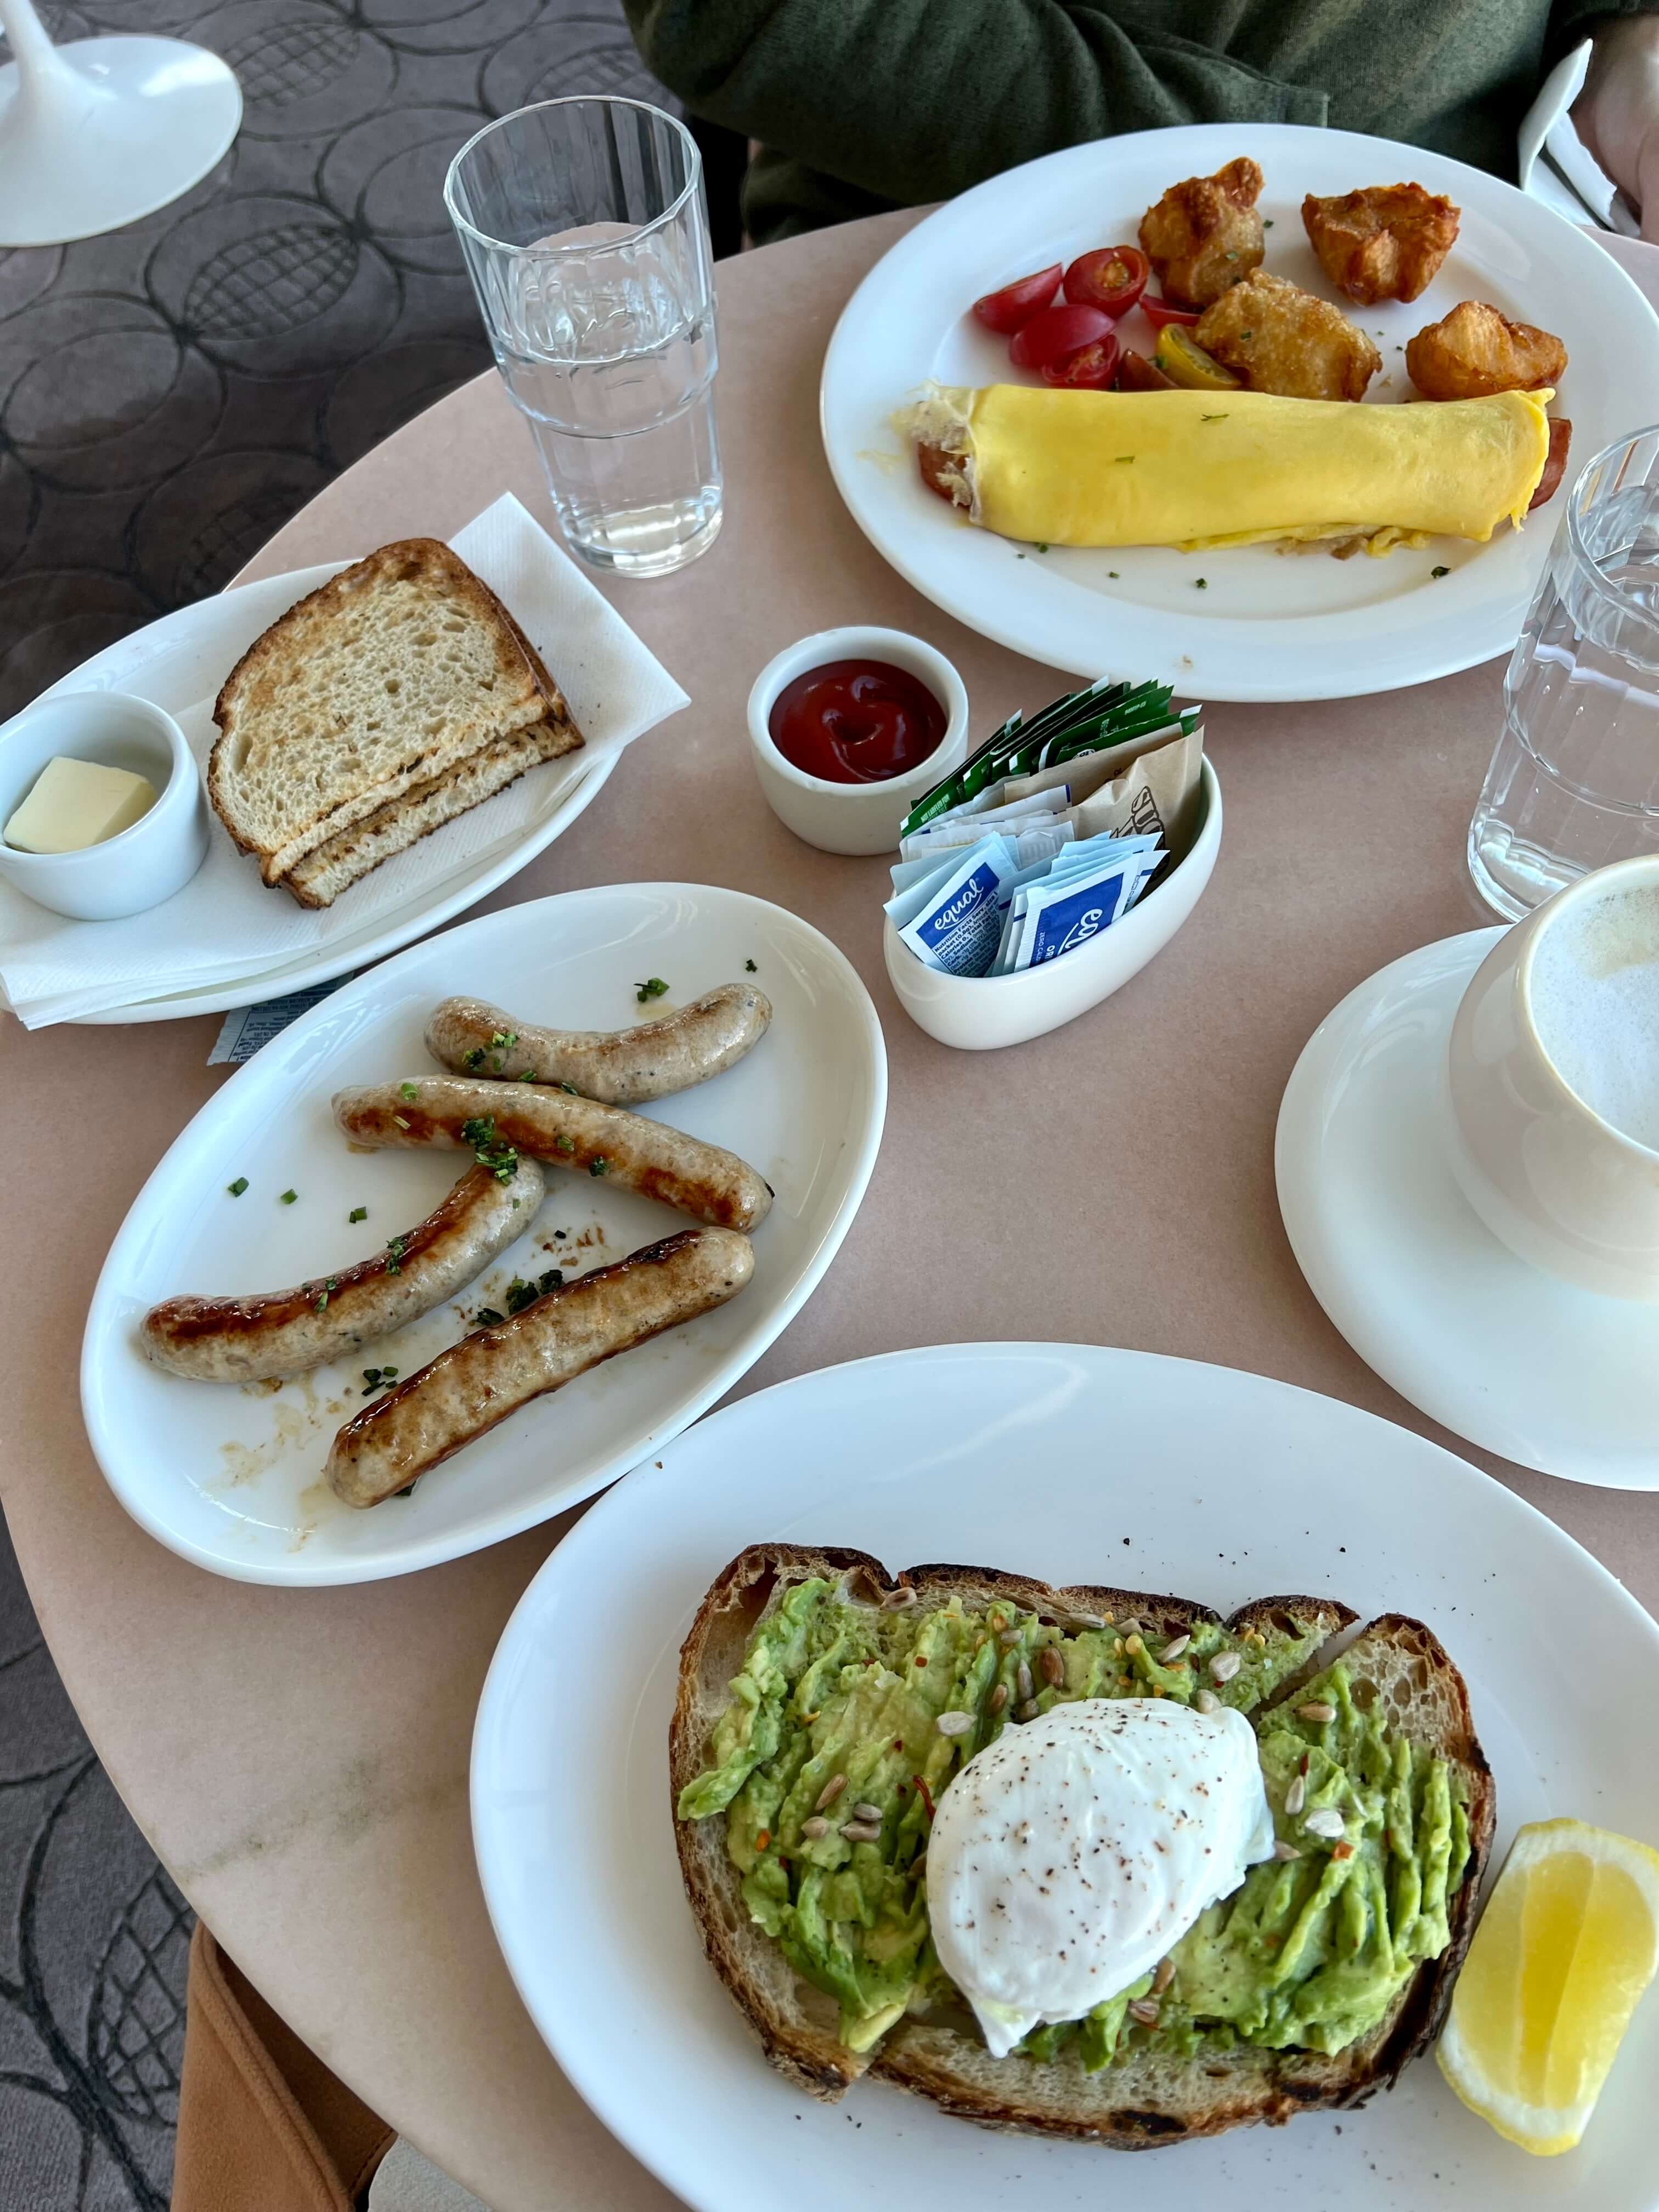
{"type": "Point", "coordinates": [862, 105]}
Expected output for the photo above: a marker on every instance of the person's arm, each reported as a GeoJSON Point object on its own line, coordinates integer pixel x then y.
{"type": "Point", "coordinates": [1616, 113]}
{"type": "Point", "coordinates": [916, 100]}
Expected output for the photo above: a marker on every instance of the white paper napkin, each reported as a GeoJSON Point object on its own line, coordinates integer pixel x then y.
{"type": "Point", "coordinates": [226, 926]}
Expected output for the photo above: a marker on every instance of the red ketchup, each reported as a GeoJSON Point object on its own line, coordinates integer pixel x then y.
{"type": "Point", "coordinates": [856, 721]}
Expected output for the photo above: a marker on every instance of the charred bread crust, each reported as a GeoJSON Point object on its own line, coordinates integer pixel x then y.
{"type": "Point", "coordinates": [1161, 2101]}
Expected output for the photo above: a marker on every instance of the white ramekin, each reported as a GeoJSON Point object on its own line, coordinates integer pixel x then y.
{"type": "Point", "coordinates": [142, 866]}
{"type": "Point", "coordinates": [853, 817]}
{"type": "Point", "coordinates": [1549, 1177]}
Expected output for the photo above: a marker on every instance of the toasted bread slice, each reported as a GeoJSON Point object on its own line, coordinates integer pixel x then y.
{"type": "Point", "coordinates": [1146, 2099]}
{"type": "Point", "coordinates": [392, 672]}
{"type": "Point", "coordinates": [318, 880]}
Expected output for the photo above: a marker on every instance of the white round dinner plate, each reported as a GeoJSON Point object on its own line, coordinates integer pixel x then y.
{"type": "Point", "coordinates": [179, 662]}
{"type": "Point", "coordinates": [1267, 624]}
{"type": "Point", "coordinates": [230, 1475]}
{"type": "Point", "coordinates": [1077, 1464]}
{"type": "Point", "coordinates": [1517, 1361]}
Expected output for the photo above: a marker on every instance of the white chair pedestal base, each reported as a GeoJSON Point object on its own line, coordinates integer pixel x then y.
{"type": "Point", "coordinates": [97, 134]}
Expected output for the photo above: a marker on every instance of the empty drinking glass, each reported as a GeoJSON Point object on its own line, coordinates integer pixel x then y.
{"type": "Point", "coordinates": [586, 239]}
{"type": "Point", "coordinates": [1575, 780]}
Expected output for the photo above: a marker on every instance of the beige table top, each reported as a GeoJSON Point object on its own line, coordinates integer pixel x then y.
{"type": "Point", "coordinates": [298, 1758]}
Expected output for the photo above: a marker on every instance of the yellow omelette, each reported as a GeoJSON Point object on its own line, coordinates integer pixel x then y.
{"type": "Point", "coordinates": [1200, 469]}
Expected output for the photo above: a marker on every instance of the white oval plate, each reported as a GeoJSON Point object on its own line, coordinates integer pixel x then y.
{"type": "Point", "coordinates": [1268, 625]}
{"type": "Point", "coordinates": [1077, 1464]}
{"type": "Point", "coordinates": [182, 660]}
{"type": "Point", "coordinates": [1547, 1373]}
{"type": "Point", "coordinates": [231, 1476]}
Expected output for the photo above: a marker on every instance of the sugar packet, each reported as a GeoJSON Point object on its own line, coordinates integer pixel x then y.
{"type": "Point", "coordinates": [952, 919]}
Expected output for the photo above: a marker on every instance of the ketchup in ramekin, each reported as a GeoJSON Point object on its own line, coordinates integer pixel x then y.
{"type": "Point", "coordinates": [856, 721]}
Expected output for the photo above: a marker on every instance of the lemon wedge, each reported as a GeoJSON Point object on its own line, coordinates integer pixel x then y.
{"type": "Point", "coordinates": [1568, 1941]}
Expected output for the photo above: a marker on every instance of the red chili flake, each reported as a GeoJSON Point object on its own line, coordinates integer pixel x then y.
{"type": "Point", "coordinates": [898, 1743]}
{"type": "Point", "coordinates": [762, 1839]}
{"type": "Point", "coordinates": [1302, 1767]}
{"type": "Point", "coordinates": [926, 1798]}
{"type": "Point", "coordinates": [1341, 1851]}
{"type": "Point", "coordinates": [920, 1662]}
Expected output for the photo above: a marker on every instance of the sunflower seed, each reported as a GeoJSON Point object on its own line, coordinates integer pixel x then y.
{"type": "Point", "coordinates": [1325, 1821]}
{"type": "Point", "coordinates": [1163, 1977]}
{"type": "Point", "coordinates": [1028, 1711]}
{"type": "Point", "coordinates": [999, 1697]}
{"type": "Point", "coordinates": [1132, 1642]}
{"type": "Point", "coordinates": [1008, 1639]}
{"type": "Point", "coordinates": [1205, 1700]}
{"type": "Point", "coordinates": [862, 1832]}
{"type": "Point", "coordinates": [1131, 1626]}
{"type": "Point", "coordinates": [1053, 1665]}
{"type": "Point", "coordinates": [1296, 1796]}
{"type": "Point", "coordinates": [1087, 1621]}
{"type": "Point", "coordinates": [1284, 1850]}
{"type": "Point", "coordinates": [1022, 1682]}
{"type": "Point", "coordinates": [1317, 1710]}
{"type": "Point", "coordinates": [813, 1829]}
{"type": "Point", "coordinates": [1224, 1665]}
{"type": "Point", "coordinates": [955, 1723]}
{"type": "Point", "coordinates": [831, 1789]}
{"type": "Point", "coordinates": [1145, 2010]}
{"type": "Point", "coordinates": [867, 1812]}
{"type": "Point", "coordinates": [896, 1600]}
{"type": "Point", "coordinates": [1174, 1647]}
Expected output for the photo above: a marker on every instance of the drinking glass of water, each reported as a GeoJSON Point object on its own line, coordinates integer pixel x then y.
{"type": "Point", "coordinates": [1575, 780]}
{"type": "Point", "coordinates": [587, 239]}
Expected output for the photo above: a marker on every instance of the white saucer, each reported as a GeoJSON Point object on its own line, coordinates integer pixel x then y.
{"type": "Point", "coordinates": [1512, 1359]}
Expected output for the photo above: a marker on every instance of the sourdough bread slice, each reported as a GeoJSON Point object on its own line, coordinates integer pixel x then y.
{"type": "Point", "coordinates": [1145, 2099]}
{"type": "Point", "coordinates": [318, 880]}
{"type": "Point", "coordinates": [389, 675]}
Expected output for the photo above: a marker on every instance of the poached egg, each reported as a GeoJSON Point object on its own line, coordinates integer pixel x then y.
{"type": "Point", "coordinates": [1069, 1856]}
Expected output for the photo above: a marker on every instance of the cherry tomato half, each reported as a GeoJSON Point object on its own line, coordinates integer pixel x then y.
{"type": "Point", "coordinates": [1090, 368]}
{"type": "Point", "coordinates": [1159, 311]}
{"type": "Point", "coordinates": [1058, 329]}
{"type": "Point", "coordinates": [1015, 304]}
{"type": "Point", "coordinates": [1111, 278]}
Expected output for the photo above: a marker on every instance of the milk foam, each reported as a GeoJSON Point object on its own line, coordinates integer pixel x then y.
{"type": "Point", "coordinates": [1595, 995]}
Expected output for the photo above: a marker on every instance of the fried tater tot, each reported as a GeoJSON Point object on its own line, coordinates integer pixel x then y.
{"type": "Point", "coordinates": [1384, 243]}
{"type": "Point", "coordinates": [1280, 339]}
{"type": "Point", "coordinates": [1475, 351]}
{"type": "Point", "coordinates": [1205, 234]}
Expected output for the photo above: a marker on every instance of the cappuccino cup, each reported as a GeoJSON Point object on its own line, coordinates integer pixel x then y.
{"type": "Point", "coordinates": [1552, 1083]}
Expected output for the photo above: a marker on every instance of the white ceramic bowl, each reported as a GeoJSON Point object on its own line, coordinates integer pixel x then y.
{"type": "Point", "coordinates": [142, 866]}
{"type": "Point", "coordinates": [853, 817]}
{"type": "Point", "coordinates": [1549, 1175]}
{"type": "Point", "coordinates": [978, 1013]}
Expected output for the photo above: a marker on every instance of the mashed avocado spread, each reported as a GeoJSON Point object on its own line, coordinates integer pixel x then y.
{"type": "Point", "coordinates": [829, 1759]}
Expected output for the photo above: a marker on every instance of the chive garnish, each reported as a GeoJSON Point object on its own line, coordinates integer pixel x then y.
{"type": "Point", "coordinates": [564, 1145]}
{"type": "Point", "coordinates": [751, 968]}
{"type": "Point", "coordinates": [408, 1090]}
{"type": "Point", "coordinates": [1216, 418]}
{"type": "Point", "coordinates": [288, 1197]}
{"type": "Point", "coordinates": [568, 1087]}
{"type": "Point", "coordinates": [487, 1317]}
{"type": "Point", "coordinates": [237, 1188]}
{"type": "Point", "coordinates": [1200, 583]}
{"type": "Point", "coordinates": [394, 1265]}
{"type": "Point", "coordinates": [653, 988]}
{"type": "Point", "coordinates": [1438, 573]}
{"type": "Point", "coordinates": [358, 1213]}
{"type": "Point", "coordinates": [489, 1151]}
{"type": "Point", "coordinates": [476, 1057]}
{"type": "Point", "coordinates": [598, 1165]}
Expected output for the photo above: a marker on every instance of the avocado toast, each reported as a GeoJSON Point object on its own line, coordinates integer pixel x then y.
{"type": "Point", "coordinates": [1310, 1985]}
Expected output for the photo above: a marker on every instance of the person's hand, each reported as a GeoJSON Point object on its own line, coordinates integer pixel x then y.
{"type": "Point", "coordinates": [1616, 113]}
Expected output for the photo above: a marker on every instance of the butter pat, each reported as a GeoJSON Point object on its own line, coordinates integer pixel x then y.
{"type": "Point", "coordinates": [76, 803]}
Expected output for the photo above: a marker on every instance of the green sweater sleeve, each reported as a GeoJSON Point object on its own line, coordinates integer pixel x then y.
{"type": "Point", "coordinates": [908, 100]}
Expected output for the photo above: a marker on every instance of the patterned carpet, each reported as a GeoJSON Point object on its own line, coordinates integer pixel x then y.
{"type": "Point", "coordinates": [169, 395]}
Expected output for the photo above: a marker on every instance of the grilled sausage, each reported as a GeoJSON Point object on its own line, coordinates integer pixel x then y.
{"type": "Point", "coordinates": [619, 1067]}
{"type": "Point", "coordinates": [703, 1180]}
{"type": "Point", "coordinates": [284, 1333]}
{"type": "Point", "coordinates": [466, 1390]}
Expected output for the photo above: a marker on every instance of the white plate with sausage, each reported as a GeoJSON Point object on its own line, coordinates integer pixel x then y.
{"type": "Point", "coordinates": [347, 1162]}
{"type": "Point", "coordinates": [1265, 626]}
